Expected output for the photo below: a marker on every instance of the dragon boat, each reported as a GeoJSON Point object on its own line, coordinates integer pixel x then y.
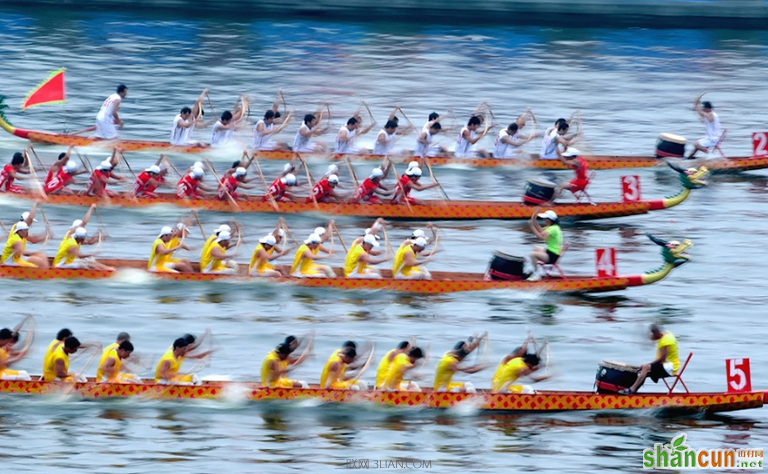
{"type": "Point", "coordinates": [596, 162]}
{"type": "Point", "coordinates": [673, 255]}
{"type": "Point", "coordinates": [429, 210]}
{"type": "Point", "coordinates": [541, 401]}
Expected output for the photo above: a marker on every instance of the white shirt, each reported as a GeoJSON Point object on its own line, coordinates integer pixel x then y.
{"type": "Point", "coordinates": [713, 127]}
{"type": "Point", "coordinates": [261, 140]}
{"type": "Point", "coordinates": [345, 146]}
{"type": "Point", "coordinates": [548, 144]}
{"type": "Point", "coordinates": [301, 142]}
{"type": "Point", "coordinates": [422, 148]}
{"type": "Point", "coordinates": [463, 147]}
{"type": "Point", "coordinates": [386, 147]}
{"type": "Point", "coordinates": [220, 135]}
{"type": "Point", "coordinates": [179, 134]}
{"type": "Point", "coordinates": [108, 108]}
{"type": "Point", "coordinates": [506, 150]}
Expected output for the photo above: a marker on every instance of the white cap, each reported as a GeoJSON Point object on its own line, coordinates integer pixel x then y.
{"type": "Point", "coordinates": [268, 239]}
{"type": "Point", "coordinates": [153, 169]}
{"type": "Point", "coordinates": [571, 152]}
{"type": "Point", "coordinates": [550, 214]}
{"type": "Point", "coordinates": [76, 223]}
{"type": "Point", "coordinates": [413, 164]}
{"type": "Point", "coordinates": [240, 171]}
{"type": "Point", "coordinates": [376, 173]}
{"type": "Point", "coordinates": [371, 231]}
{"type": "Point", "coordinates": [222, 228]}
{"type": "Point", "coordinates": [413, 172]}
{"type": "Point", "coordinates": [198, 164]}
{"type": "Point", "coordinates": [181, 226]}
{"type": "Point", "coordinates": [319, 231]}
{"type": "Point", "coordinates": [281, 232]}
{"type": "Point", "coordinates": [288, 167]}
{"type": "Point", "coordinates": [70, 167]}
{"type": "Point", "coordinates": [333, 169]}
{"type": "Point", "coordinates": [370, 239]}
{"type": "Point", "coordinates": [80, 232]}
{"type": "Point", "coordinates": [417, 233]}
{"type": "Point", "coordinates": [197, 173]}
{"type": "Point", "coordinates": [104, 165]}
{"type": "Point", "coordinates": [313, 239]}
{"type": "Point", "coordinates": [333, 179]}
{"type": "Point", "coordinates": [224, 235]}
{"type": "Point", "coordinates": [421, 242]}
{"type": "Point", "coordinates": [289, 179]}
{"type": "Point", "coordinates": [25, 216]}
{"type": "Point", "coordinates": [165, 231]}
{"type": "Point", "coordinates": [21, 226]}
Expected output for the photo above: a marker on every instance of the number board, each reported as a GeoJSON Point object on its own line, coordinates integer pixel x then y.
{"type": "Point", "coordinates": [630, 188]}
{"type": "Point", "coordinates": [738, 375]}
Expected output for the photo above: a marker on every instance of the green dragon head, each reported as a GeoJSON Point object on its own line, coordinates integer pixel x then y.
{"type": "Point", "coordinates": [694, 178]}
{"type": "Point", "coordinates": [674, 252]}
{"type": "Point", "coordinates": [3, 106]}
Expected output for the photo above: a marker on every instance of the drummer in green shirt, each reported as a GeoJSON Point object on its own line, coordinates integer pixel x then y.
{"type": "Point", "coordinates": [552, 235]}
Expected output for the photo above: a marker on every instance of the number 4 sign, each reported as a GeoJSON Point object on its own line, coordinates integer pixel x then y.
{"type": "Point", "coordinates": [760, 144]}
{"type": "Point", "coordinates": [606, 262]}
{"type": "Point", "coordinates": [738, 376]}
{"type": "Point", "coordinates": [630, 188]}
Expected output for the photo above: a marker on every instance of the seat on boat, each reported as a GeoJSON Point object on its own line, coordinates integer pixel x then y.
{"type": "Point", "coordinates": [678, 377]}
{"type": "Point", "coordinates": [549, 268]}
{"type": "Point", "coordinates": [583, 194]}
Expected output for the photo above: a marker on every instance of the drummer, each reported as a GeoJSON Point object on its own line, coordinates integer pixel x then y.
{"type": "Point", "coordinates": [552, 235]}
{"type": "Point", "coordinates": [664, 365]}
{"type": "Point", "coordinates": [572, 159]}
{"type": "Point", "coordinates": [712, 124]}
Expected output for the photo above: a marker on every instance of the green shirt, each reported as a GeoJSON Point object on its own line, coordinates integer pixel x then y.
{"type": "Point", "coordinates": [554, 239]}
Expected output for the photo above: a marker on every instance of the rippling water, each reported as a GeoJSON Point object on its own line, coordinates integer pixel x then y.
{"type": "Point", "coordinates": [629, 84]}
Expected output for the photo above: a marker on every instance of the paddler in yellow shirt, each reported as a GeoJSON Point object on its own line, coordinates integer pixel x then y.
{"type": "Point", "coordinates": [216, 260]}
{"type": "Point", "coordinates": [162, 253]}
{"type": "Point", "coordinates": [53, 345]}
{"type": "Point", "coordinates": [386, 361]}
{"type": "Point", "coordinates": [507, 374]}
{"type": "Point", "coordinates": [69, 256]}
{"type": "Point", "coordinates": [265, 253]}
{"type": "Point", "coordinates": [666, 363]}
{"type": "Point", "coordinates": [406, 266]}
{"type": "Point", "coordinates": [212, 239]}
{"type": "Point", "coordinates": [402, 364]}
{"type": "Point", "coordinates": [8, 355]}
{"type": "Point", "coordinates": [57, 366]}
{"type": "Point", "coordinates": [111, 363]}
{"type": "Point", "coordinates": [449, 365]}
{"type": "Point", "coordinates": [358, 258]}
{"type": "Point", "coordinates": [15, 253]}
{"type": "Point", "coordinates": [334, 374]}
{"type": "Point", "coordinates": [304, 265]}
{"type": "Point", "coordinates": [276, 366]}
{"type": "Point", "coordinates": [167, 370]}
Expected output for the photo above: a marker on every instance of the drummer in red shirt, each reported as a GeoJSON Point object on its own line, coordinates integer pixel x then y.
{"type": "Point", "coordinates": [325, 190]}
{"type": "Point", "coordinates": [407, 182]}
{"type": "Point", "coordinates": [231, 183]}
{"type": "Point", "coordinates": [10, 172]}
{"type": "Point", "coordinates": [190, 186]}
{"type": "Point", "coordinates": [368, 189]}
{"type": "Point", "coordinates": [573, 160]}
{"type": "Point", "coordinates": [278, 190]}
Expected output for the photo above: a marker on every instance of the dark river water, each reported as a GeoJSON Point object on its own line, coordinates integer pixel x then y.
{"type": "Point", "coordinates": [629, 84]}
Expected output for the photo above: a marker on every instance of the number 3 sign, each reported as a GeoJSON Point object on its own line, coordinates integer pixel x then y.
{"type": "Point", "coordinates": [630, 188]}
{"type": "Point", "coordinates": [738, 376]}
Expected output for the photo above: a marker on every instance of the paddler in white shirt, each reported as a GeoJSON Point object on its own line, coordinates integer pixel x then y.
{"type": "Point", "coordinates": [225, 126]}
{"type": "Point", "coordinates": [107, 120]}
{"type": "Point", "coordinates": [303, 143]}
{"type": "Point", "coordinates": [556, 136]}
{"type": "Point", "coordinates": [185, 122]}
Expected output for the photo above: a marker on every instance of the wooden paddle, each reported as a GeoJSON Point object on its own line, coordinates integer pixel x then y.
{"type": "Point", "coordinates": [86, 164]}
{"type": "Point", "coordinates": [4, 228]}
{"type": "Point", "coordinates": [48, 231]}
{"type": "Point", "coordinates": [38, 186]}
{"type": "Point", "coordinates": [397, 176]}
{"type": "Point", "coordinates": [340, 239]}
{"type": "Point", "coordinates": [352, 172]}
{"type": "Point", "coordinates": [199, 225]}
{"type": "Point", "coordinates": [309, 179]}
{"type": "Point", "coordinates": [432, 175]}
{"type": "Point", "coordinates": [222, 185]}
{"type": "Point", "coordinates": [365, 366]}
{"type": "Point", "coordinates": [122, 155]}
{"type": "Point", "coordinates": [165, 158]}
{"type": "Point", "coordinates": [32, 149]}
{"type": "Point", "coordinates": [288, 231]}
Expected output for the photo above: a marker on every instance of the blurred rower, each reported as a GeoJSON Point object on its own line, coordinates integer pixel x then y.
{"type": "Point", "coordinates": [386, 361]}
{"type": "Point", "coordinates": [216, 259]}
{"type": "Point", "coordinates": [400, 366]}
{"type": "Point", "coordinates": [449, 365]}
{"type": "Point", "coordinates": [102, 176]}
{"type": "Point", "coordinates": [167, 370]}
{"type": "Point", "coordinates": [265, 253]}
{"type": "Point", "coordinates": [508, 372]}
{"type": "Point", "coordinates": [409, 181]}
{"type": "Point", "coordinates": [15, 253]}
{"type": "Point", "coordinates": [278, 190]}
{"type": "Point", "coordinates": [276, 366]}
{"type": "Point", "coordinates": [10, 355]}
{"type": "Point", "coordinates": [359, 257]}
{"type": "Point", "coordinates": [190, 186]}
{"type": "Point", "coordinates": [186, 121]}
{"type": "Point", "coordinates": [229, 184]}
{"type": "Point", "coordinates": [335, 376]}
{"type": "Point", "coordinates": [407, 266]}
{"type": "Point", "coordinates": [371, 187]}
{"type": "Point", "coordinates": [161, 257]}
{"type": "Point", "coordinates": [304, 265]}
{"type": "Point", "coordinates": [69, 256]}
{"type": "Point", "coordinates": [325, 190]}
{"type": "Point", "coordinates": [57, 365]}
{"type": "Point", "coordinates": [11, 172]}
{"type": "Point", "coordinates": [112, 361]}
{"type": "Point", "coordinates": [572, 159]}
{"type": "Point", "coordinates": [61, 174]}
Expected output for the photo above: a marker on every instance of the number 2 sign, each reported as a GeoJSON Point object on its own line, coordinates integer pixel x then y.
{"type": "Point", "coordinates": [738, 376]}
{"type": "Point", "coordinates": [606, 262]}
{"type": "Point", "coordinates": [630, 188]}
{"type": "Point", "coordinates": [760, 144]}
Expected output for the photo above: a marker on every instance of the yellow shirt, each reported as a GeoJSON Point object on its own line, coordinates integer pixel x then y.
{"type": "Point", "coordinates": [49, 351]}
{"type": "Point", "coordinates": [174, 242]}
{"type": "Point", "coordinates": [508, 372]}
{"type": "Point", "coordinates": [63, 252]}
{"type": "Point", "coordinates": [300, 263]}
{"type": "Point", "coordinates": [669, 341]}
{"type": "Point", "coordinates": [207, 244]}
{"type": "Point", "coordinates": [208, 260]}
{"type": "Point", "coordinates": [175, 364]}
{"type": "Point", "coordinates": [3, 359]}
{"type": "Point", "coordinates": [49, 371]}
{"type": "Point", "coordinates": [106, 354]}
{"type": "Point", "coordinates": [326, 369]}
{"type": "Point", "coordinates": [8, 250]}
{"type": "Point", "coordinates": [399, 263]}
{"type": "Point", "coordinates": [353, 260]}
{"type": "Point", "coordinates": [444, 372]}
{"type": "Point", "coordinates": [381, 371]}
{"type": "Point", "coordinates": [261, 264]}
{"type": "Point", "coordinates": [396, 372]}
{"type": "Point", "coordinates": [399, 255]}
{"type": "Point", "coordinates": [269, 378]}
{"type": "Point", "coordinates": [157, 260]}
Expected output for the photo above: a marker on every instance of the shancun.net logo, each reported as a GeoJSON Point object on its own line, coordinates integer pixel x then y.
{"type": "Point", "coordinates": [678, 455]}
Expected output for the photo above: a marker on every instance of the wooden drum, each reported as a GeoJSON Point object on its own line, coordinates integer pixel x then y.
{"type": "Point", "coordinates": [539, 191]}
{"type": "Point", "coordinates": [614, 376]}
{"type": "Point", "coordinates": [670, 146]}
{"type": "Point", "coordinates": [506, 267]}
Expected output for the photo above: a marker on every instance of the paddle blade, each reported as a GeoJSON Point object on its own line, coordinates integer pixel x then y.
{"type": "Point", "coordinates": [50, 91]}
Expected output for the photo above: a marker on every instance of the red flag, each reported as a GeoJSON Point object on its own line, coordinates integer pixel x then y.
{"type": "Point", "coordinates": [50, 91]}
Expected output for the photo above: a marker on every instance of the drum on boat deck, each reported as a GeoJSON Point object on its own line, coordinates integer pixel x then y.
{"type": "Point", "coordinates": [670, 146]}
{"type": "Point", "coordinates": [506, 267]}
{"type": "Point", "coordinates": [614, 376]}
{"type": "Point", "coordinates": [539, 191]}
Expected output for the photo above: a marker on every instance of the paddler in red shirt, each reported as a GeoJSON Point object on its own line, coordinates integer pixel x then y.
{"type": "Point", "coordinates": [324, 190]}
{"type": "Point", "coordinates": [368, 189]}
{"type": "Point", "coordinates": [231, 183]}
{"type": "Point", "coordinates": [278, 190]}
{"type": "Point", "coordinates": [61, 174]}
{"type": "Point", "coordinates": [573, 160]}
{"type": "Point", "coordinates": [408, 181]}
{"type": "Point", "coordinates": [147, 181]}
{"type": "Point", "coordinates": [102, 175]}
{"type": "Point", "coordinates": [11, 172]}
{"type": "Point", "coordinates": [190, 186]}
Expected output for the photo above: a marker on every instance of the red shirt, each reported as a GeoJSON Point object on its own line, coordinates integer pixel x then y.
{"type": "Point", "coordinates": [403, 188]}
{"type": "Point", "coordinates": [97, 183]}
{"type": "Point", "coordinates": [365, 191]}
{"type": "Point", "coordinates": [140, 186]}
{"type": "Point", "coordinates": [7, 177]}
{"type": "Point", "coordinates": [582, 169]}
{"type": "Point", "coordinates": [230, 184]}
{"type": "Point", "coordinates": [276, 190]}
{"type": "Point", "coordinates": [321, 190]}
{"type": "Point", "coordinates": [153, 185]}
{"type": "Point", "coordinates": [57, 182]}
{"type": "Point", "coordinates": [187, 187]}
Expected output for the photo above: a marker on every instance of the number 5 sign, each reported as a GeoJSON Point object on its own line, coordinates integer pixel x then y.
{"type": "Point", "coordinates": [760, 144]}
{"type": "Point", "coordinates": [606, 262]}
{"type": "Point", "coordinates": [738, 376]}
{"type": "Point", "coordinates": [630, 188]}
